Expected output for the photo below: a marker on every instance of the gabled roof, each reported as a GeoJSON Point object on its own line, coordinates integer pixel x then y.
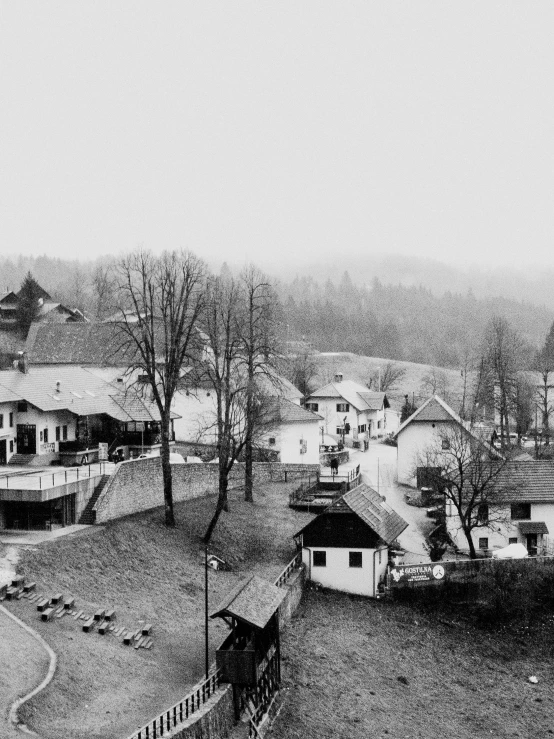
{"type": "Point", "coordinates": [433, 410]}
{"type": "Point", "coordinates": [372, 509]}
{"type": "Point", "coordinates": [79, 343]}
{"type": "Point", "coordinates": [359, 396]}
{"type": "Point", "coordinates": [79, 392]}
{"type": "Point", "coordinates": [526, 482]}
{"type": "Point", "coordinates": [285, 411]}
{"type": "Point", "coordinates": [9, 298]}
{"type": "Point", "coordinates": [253, 601]}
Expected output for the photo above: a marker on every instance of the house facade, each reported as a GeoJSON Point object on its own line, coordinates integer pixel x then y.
{"type": "Point", "coordinates": [347, 546]}
{"type": "Point", "coordinates": [421, 432]}
{"type": "Point", "coordinates": [522, 513]}
{"type": "Point", "coordinates": [350, 410]}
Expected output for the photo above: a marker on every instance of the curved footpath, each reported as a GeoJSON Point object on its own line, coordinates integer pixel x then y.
{"type": "Point", "coordinates": [25, 657]}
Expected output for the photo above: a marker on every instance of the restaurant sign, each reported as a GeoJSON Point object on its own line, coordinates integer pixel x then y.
{"type": "Point", "coordinates": [430, 572]}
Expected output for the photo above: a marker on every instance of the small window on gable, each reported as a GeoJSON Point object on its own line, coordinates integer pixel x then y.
{"type": "Point", "coordinates": [320, 559]}
{"type": "Point", "coordinates": [354, 559]}
{"type": "Point", "coordinates": [271, 441]}
{"type": "Point", "coordinates": [445, 443]}
{"type": "Point", "coordinates": [312, 407]}
{"type": "Point", "coordinates": [483, 542]}
{"type": "Point", "coordinates": [343, 407]}
{"type": "Point", "coordinates": [22, 406]}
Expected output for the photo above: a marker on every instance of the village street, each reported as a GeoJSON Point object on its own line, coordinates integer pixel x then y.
{"type": "Point", "coordinates": [378, 468]}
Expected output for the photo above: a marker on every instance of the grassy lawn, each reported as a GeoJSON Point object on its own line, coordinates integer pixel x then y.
{"type": "Point", "coordinates": [360, 669]}
{"type": "Point", "coordinates": [103, 690]}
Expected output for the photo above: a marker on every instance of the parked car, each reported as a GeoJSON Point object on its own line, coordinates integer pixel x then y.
{"type": "Point", "coordinates": [174, 457]}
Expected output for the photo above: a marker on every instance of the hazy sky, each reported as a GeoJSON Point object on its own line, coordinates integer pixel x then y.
{"type": "Point", "coordinates": [278, 131]}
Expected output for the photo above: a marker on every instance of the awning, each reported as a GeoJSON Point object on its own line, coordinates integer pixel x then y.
{"type": "Point", "coordinates": [533, 527]}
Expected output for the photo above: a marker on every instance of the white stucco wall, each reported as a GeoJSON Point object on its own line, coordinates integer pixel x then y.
{"type": "Point", "coordinates": [332, 419]}
{"type": "Point", "coordinates": [412, 442]}
{"type": "Point", "coordinates": [337, 574]}
{"type": "Point", "coordinates": [287, 442]}
{"type": "Point", "coordinates": [500, 531]}
{"type": "Point", "coordinates": [197, 411]}
{"type": "Point", "coordinates": [47, 420]}
{"type": "Point", "coordinates": [8, 433]}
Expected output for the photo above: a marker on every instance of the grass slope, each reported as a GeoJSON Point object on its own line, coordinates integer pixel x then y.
{"type": "Point", "coordinates": [103, 690]}
{"type": "Point", "coordinates": [357, 668]}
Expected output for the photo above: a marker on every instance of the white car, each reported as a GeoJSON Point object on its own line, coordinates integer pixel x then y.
{"type": "Point", "coordinates": [174, 457]}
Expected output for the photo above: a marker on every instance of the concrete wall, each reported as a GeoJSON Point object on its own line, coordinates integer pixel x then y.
{"type": "Point", "coordinates": [137, 485]}
{"type": "Point", "coordinates": [338, 575]}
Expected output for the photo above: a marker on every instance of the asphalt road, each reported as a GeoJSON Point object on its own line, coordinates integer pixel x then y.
{"type": "Point", "coordinates": [378, 468]}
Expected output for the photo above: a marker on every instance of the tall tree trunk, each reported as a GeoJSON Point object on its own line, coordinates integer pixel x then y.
{"type": "Point", "coordinates": [222, 504]}
{"type": "Point", "coordinates": [472, 552]}
{"type": "Point", "coordinates": [166, 471]}
{"type": "Point", "coordinates": [248, 475]}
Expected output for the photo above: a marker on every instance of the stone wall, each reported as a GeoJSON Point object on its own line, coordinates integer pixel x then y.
{"type": "Point", "coordinates": [137, 485]}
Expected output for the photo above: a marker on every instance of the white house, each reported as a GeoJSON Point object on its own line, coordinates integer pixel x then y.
{"type": "Point", "coordinates": [349, 408]}
{"type": "Point", "coordinates": [522, 513]}
{"type": "Point", "coordinates": [347, 546]}
{"type": "Point", "coordinates": [294, 434]}
{"type": "Point", "coordinates": [421, 432]}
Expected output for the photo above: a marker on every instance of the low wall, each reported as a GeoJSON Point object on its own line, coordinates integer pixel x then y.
{"type": "Point", "coordinates": [137, 485]}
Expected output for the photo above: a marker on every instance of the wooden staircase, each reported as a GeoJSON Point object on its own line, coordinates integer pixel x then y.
{"type": "Point", "coordinates": [88, 516]}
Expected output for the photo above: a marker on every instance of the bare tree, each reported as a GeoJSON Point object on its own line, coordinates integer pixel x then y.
{"type": "Point", "coordinates": [503, 355]}
{"type": "Point", "coordinates": [302, 370]}
{"type": "Point", "coordinates": [435, 382]}
{"type": "Point", "coordinates": [544, 365]}
{"type": "Point", "coordinates": [258, 348]}
{"type": "Point", "coordinates": [161, 303]}
{"type": "Point", "coordinates": [387, 377]}
{"type": "Point", "coordinates": [466, 470]}
{"type": "Point", "coordinates": [103, 290]}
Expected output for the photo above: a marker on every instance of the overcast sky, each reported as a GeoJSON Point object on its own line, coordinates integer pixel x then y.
{"type": "Point", "coordinates": [273, 131]}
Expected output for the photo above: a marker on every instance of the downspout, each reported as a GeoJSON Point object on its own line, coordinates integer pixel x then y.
{"type": "Point", "coordinates": [309, 561]}
{"type": "Point", "coordinates": [374, 583]}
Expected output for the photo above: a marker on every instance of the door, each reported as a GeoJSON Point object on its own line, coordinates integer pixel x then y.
{"type": "Point", "coordinates": [532, 545]}
{"type": "Point", "coordinates": [26, 438]}
{"type": "Point", "coordinates": [3, 452]}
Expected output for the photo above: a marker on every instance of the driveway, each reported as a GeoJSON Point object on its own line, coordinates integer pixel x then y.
{"type": "Point", "coordinates": [378, 468]}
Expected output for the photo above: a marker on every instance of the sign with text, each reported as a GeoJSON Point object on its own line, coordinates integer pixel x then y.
{"type": "Point", "coordinates": [427, 572]}
{"type": "Point", "coordinates": [102, 452]}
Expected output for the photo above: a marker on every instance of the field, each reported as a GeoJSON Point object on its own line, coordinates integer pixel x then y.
{"type": "Point", "coordinates": [103, 690]}
{"type": "Point", "coordinates": [361, 669]}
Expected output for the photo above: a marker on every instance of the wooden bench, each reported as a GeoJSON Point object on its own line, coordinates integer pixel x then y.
{"type": "Point", "coordinates": [99, 615]}
{"type": "Point", "coordinates": [68, 603]}
{"type": "Point", "coordinates": [55, 599]}
{"type": "Point", "coordinates": [47, 614]}
{"type": "Point", "coordinates": [110, 615]}
{"type": "Point", "coordinates": [43, 604]}
{"type": "Point", "coordinates": [146, 629]}
{"type": "Point", "coordinates": [103, 626]}
{"type": "Point", "coordinates": [29, 587]}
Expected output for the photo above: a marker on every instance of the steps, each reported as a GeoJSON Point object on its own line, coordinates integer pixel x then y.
{"type": "Point", "coordinates": [20, 460]}
{"type": "Point", "coordinates": [88, 516]}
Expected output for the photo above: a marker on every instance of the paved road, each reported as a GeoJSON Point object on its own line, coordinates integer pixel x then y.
{"type": "Point", "coordinates": [378, 467]}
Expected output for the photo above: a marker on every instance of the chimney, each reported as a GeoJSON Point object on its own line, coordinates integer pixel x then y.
{"type": "Point", "coordinates": [338, 377]}
{"type": "Point", "coordinates": [23, 363]}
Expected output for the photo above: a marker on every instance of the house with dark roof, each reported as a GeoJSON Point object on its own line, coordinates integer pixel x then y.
{"type": "Point", "coordinates": [48, 310]}
{"type": "Point", "coordinates": [350, 410]}
{"type": "Point", "coordinates": [522, 511]}
{"type": "Point", "coordinates": [347, 546]}
{"type": "Point", "coordinates": [422, 431]}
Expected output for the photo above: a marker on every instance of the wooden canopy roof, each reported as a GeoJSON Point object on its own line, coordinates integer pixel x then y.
{"type": "Point", "coordinates": [253, 601]}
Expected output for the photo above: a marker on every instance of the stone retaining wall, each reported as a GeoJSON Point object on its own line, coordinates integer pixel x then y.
{"type": "Point", "coordinates": [137, 485]}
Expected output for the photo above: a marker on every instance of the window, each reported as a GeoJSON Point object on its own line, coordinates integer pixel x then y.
{"type": "Point", "coordinates": [340, 429]}
{"type": "Point", "coordinates": [271, 441]}
{"type": "Point", "coordinates": [512, 540]}
{"type": "Point", "coordinates": [521, 511]}
{"type": "Point", "coordinates": [379, 424]}
{"type": "Point", "coordinates": [343, 407]}
{"type": "Point", "coordinates": [320, 559]}
{"type": "Point", "coordinates": [312, 407]}
{"type": "Point", "coordinates": [303, 446]}
{"type": "Point", "coordinates": [11, 419]}
{"type": "Point", "coordinates": [362, 428]}
{"type": "Point", "coordinates": [11, 446]}
{"type": "Point", "coordinates": [45, 436]}
{"type": "Point", "coordinates": [1, 420]}
{"type": "Point", "coordinates": [445, 443]}
{"type": "Point", "coordinates": [483, 513]}
{"type": "Point", "coordinates": [58, 429]}
{"type": "Point", "coordinates": [354, 559]}
{"type": "Point", "coordinates": [64, 433]}
{"type": "Point", "coordinates": [22, 406]}
{"type": "Point", "coordinates": [483, 543]}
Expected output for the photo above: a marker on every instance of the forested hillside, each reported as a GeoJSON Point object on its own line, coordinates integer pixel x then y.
{"type": "Point", "coordinates": [397, 321]}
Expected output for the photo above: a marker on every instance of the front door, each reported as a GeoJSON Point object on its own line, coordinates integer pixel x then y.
{"type": "Point", "coordinates": [3, 452]}
{"type": "Point", "coordinates": [26, 438]}
{"type": "Point", "coordinates": [532, 545]}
